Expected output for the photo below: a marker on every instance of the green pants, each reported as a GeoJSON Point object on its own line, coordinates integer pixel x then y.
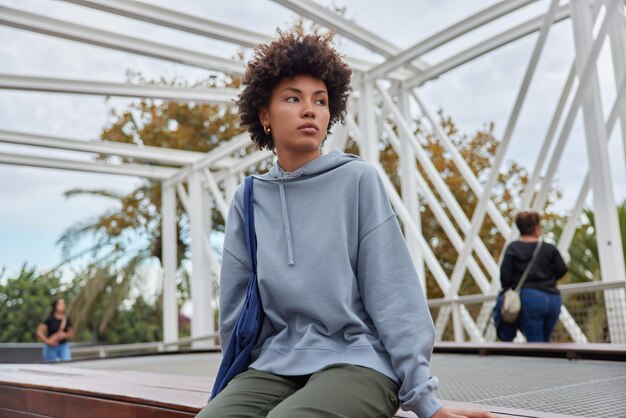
{"type": "Point", "coordinates": [336, 391]}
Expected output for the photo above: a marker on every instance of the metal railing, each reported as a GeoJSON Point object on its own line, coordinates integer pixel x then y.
{"type": "Point", "coordinates": [586, 315]}
{"type": "Point", "coordinates": [120, 350]}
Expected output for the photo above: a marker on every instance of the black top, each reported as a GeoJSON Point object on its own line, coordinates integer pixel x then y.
{"type": "Point", "coordinates": [547, 269]}
{"type": "Point", "coordinates": [54, 324]}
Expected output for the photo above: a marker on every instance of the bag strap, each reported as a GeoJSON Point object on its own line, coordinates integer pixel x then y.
{"type": "Point", "coordinates": [528, 267]}
{"type": "Point", "coordinates": [248, 220]}
{"type": "Point", "coordinates": [63, 322]}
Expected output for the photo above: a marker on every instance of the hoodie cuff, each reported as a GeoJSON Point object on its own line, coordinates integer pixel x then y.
{"type": "Point", "coordinates": [427, 406]}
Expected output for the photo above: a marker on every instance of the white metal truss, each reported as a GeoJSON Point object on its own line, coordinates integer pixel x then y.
{"type": "Point", "coordinates": [148, 153]}
{"type": "Point", "coordinates": [101, 88]}
{"type": "Point", "coordinates": [81, 33]}
{"type": "Point", "coordinates": [388, 90]}
{"type": "Point", "coordinates": [193, 24]}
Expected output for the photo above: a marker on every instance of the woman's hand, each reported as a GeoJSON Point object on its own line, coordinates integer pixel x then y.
{"type": "Point", "coordinates": [453, 412]}
{"type": "Point", "coordinates": [52, 340]}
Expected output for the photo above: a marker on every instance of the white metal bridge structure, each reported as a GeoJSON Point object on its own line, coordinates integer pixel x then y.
{"type": "Point", "coordinates": [383, 91]}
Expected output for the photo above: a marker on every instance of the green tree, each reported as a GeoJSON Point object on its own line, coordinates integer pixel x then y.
{"type": "Point", "coordinates": [25, 301]}
{"type": "Point", "coordinates": [585, 261]}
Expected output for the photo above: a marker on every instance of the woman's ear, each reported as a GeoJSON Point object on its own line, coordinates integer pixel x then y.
{"type": "Point", "coordinates": [264, 116]}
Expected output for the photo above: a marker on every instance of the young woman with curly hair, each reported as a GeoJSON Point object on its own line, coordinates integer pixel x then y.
{"type": "Point", "coordinates": [347, 332]}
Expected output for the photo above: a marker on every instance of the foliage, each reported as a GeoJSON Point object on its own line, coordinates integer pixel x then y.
{"type": "Point", "coordinates": [25, 302]}
{"type": "Point", "coordinates": [139, 322]}
{"type": "Point", "coordinates": [585, 260]}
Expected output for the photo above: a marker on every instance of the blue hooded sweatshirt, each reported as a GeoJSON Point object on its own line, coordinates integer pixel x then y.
{"type": "Point", "coordinates": [335, 276]}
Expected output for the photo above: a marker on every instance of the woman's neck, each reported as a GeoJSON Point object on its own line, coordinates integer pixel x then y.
{"type": "Point", "coordinates": [290, 162]}
{"type": "Point", "coordinates": [529, 238]}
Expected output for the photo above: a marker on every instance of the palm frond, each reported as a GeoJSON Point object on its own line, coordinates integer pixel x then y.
{"type": "Point", "coordinates": [94, 192]}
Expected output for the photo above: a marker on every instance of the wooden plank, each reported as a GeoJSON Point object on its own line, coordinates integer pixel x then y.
{"type": "Point", "coordinates": [49, 403]}
{"type": "Point", "coordinates": [184, 393]}
{"type": "Point", "coordinates": [12, 413]}
{"type": "Point", "coordinates": [59, 391]}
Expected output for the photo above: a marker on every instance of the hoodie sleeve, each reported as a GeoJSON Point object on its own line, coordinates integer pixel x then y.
{"type": "Point", "coordinates": [558, 264]}
{"type": "Point", "coordinates": [393, 297]}
{"type": "Point", "coordinates": [506, 270]}
{"type": "Point", "coordinates": [235, 270]}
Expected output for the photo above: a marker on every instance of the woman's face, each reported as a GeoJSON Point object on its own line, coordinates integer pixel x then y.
{"type": "Point", "coordinates": [297, 114]}
{"type": "Point", "coordinates": [60, 306]}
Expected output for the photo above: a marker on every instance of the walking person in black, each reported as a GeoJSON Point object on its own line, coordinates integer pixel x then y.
{"type": "Point", "coordinates": [540, 298]}
{"type": "Point", "coordinates": [54, 332]}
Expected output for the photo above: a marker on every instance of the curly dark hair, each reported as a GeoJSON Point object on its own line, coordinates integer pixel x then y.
{"type": "Point", "coordinates": [290, 55]}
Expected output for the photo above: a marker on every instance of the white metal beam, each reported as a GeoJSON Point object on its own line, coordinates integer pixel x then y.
{"type": "Point", "coordinates": [318, 13]}
{"type": "Point", "coordinates": [607, 226]}
{"type": "Point", "coordinates": [484, 47]}
{"type": "Point", "coordinates": [177, 20]}
{"type": "Point", "coordinates": [216, 193]}
{"type": "Point", "coordinates": [225, 149]}
{"type": "Point", "coordinates": [147, 171]}
{"type": "Point", "coordinates": [446, 35]}
{"type": "Point", "coordinates": [618, 55]}
{"type": "Point", "coordinates": [408, 170]}
{"type": "Point", "coordinates": [169, 260]}
{"type": "Point", "coordinates": [68, 30]}
{"type": "Point", "coordinates": [200, 26]}
{"type": "Point", "coordinates": [148, 153]}
{"type": "Point", "coordinates": [201, 294]}
{"type": "Point", "coordinates": [567, 234]}
{"type": "Point", "coordinates": [101, 88]}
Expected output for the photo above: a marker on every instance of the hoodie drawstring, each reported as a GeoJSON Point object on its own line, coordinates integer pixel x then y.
{"type": "Point", "coordinates": [283, 204]}
{"type": "Point", "coordinates": [323, 164]}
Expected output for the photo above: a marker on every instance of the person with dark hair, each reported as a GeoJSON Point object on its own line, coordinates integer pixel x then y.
{"type": "Point", "coordinates": [347, 331]}
{"type": "Point", "coordinates": [55, 331]}
{"type": "Point", "coordinates": [540, 298]}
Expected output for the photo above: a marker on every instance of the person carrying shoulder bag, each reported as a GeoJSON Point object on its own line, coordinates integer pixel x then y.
{"type": "Point", "coordinates": [531, 267]}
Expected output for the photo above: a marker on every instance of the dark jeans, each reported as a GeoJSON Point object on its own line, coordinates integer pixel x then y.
{"type": "Point", "coordinates": [539, 314]}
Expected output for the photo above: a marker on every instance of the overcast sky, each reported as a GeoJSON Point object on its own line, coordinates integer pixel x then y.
{"type": "Point", "coordinates": [33, 211]}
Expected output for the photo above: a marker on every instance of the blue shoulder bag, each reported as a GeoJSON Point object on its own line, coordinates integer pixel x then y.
{"type": "Point", "coordinates": [237, 356]}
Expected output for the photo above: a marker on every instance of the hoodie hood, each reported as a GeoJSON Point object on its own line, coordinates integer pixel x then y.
{"type": "Point", "coordinates": [522, 251]}
{"type": "Point", "coordinates": [314, 167]}
{"type": "Point", "coordinates": [319, 165]}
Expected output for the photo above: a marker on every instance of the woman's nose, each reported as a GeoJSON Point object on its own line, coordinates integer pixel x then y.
{"type": "Point", "coordinates": [308, 111]}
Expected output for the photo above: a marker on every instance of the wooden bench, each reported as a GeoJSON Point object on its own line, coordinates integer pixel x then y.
{"type": "Point", "coordinates": [68, 392]}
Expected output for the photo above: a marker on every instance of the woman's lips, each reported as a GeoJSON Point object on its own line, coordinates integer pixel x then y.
{"type": "Point", "coordinates": [308, 130]}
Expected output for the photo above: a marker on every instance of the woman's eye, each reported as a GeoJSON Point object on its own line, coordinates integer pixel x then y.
{"type": "Point", "coordinates": [291, 99]}
{"type": "Point", "coordinates": [321, 101]}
